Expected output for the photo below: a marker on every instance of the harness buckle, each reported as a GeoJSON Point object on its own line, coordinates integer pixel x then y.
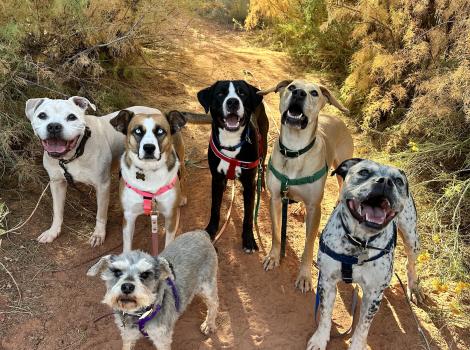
{"type": "Point", "coordinates": [362, 257]}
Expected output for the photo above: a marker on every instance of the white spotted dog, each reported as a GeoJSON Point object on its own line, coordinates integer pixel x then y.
{"type": "Point", "coordinates": [77, 148]}
{"type": "Point", "coordinates": [150, 165]}
{"type": "Point", "coordinates": [357, 244]}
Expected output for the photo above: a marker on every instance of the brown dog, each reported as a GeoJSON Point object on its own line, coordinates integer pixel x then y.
{"type": "Point", "coordinates": [309, 144]}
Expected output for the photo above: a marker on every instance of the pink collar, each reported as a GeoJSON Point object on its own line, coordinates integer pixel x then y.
{"type": "Point", "coordinates": [149, 196]}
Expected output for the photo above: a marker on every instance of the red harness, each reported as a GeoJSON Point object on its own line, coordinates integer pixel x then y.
{"type": "Point", "coordinates": [149, 196]}
{"type": "Point", "coordinates": [232, 162]}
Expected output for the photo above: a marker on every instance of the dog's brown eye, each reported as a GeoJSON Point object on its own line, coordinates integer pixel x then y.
{"type": "Point", "coordinates": [241, 92]}
{"type": "Point", "coordinates": [314, 93]}
{"type": "Point", "coordinates": [42, 116]}
{"type": "Point", "coordinates": [116, 272]}
{"type": "Point", "coordinates": [291, 87]}
{"type": "Point", "coordinates": [364, 172]}
{"type": "Point", "coordinates": [145, 275]}
{"type": "Point", "coordinates": [71, 117]}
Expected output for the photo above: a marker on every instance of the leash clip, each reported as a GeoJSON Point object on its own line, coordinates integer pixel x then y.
{"type": "Point", "coordinates": [154, 221]}
{"type": "Point", "coordinates": [362, 257]}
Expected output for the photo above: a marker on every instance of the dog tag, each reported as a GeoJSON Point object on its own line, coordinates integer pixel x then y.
{"type": "Point", "coordinates": [140, 176]}
{"type": "Point", "coordinates": [362, 257]}
{"type": "Point", "coordinates": [154, 220]}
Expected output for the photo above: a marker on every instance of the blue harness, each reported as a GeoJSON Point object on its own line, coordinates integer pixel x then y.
{"type": "Point", "coordinates": [347, 261]}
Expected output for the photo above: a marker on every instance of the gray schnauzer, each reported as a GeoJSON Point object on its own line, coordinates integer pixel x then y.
{"type": "Point", "coordinates": [357, 243]}
{"type": "Point", "coordinates": [148, 294]}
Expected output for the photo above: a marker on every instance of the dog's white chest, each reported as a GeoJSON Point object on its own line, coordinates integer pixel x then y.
{"type": "Point", "coordinates": [223, 165]}
{"type": "Point", "coordinates": [229, 139]}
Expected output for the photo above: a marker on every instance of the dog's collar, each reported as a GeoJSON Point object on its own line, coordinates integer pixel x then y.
{"type": "Point", "coordinates": [245, 137]}
{"type": "Point", "coordinates": [78, 152]}
{"type": "Point", "coordinates": [149, 196]}
{"type": "Point", "coordinates": [294, 154]}
{"type": "Point", "coordinates": [357, 241]}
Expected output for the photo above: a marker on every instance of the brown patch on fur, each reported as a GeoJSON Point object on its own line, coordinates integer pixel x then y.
{"type": "Point", "coordinates": [171, 161]}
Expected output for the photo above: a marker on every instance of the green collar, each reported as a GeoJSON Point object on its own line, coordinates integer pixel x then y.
{"type": "Point", "coordinates": [293, 154]}
{"type": "Point", "coordinates": [287, 182]}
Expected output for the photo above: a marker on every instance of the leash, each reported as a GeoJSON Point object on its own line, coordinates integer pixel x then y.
{"type": "Point", "coordinates": [78, 152]}
{"type": "Point", "coordinates": [227, 217]}
{"type": "Point", "coordinates": [286, 182]}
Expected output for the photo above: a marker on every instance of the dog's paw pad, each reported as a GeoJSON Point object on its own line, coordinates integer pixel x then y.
{"type": "Point", "coordinates": [48, 236]}
{"type": "Point", "coordinates": [206, 328]}
{"type": "Point", "coordinates": [304, 283]}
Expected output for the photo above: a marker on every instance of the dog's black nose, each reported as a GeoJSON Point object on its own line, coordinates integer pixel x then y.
{"type": "Point", "coordinates": [386, 181]}
{"type": "Point", "coordinates": [54, 128]}
{"type": "Point", "coordinates": [127, 288]}
{"type": "Point", "coordinates": [149, 148]}
{"type": "Point", "coordinates": [299, 94]}
{"type": "Point", "coordinates": [233, 103]}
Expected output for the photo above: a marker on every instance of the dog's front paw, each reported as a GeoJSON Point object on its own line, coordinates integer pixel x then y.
{"type": "Point", "coordinates": [249, 245]}
{"type": "Point", "coordinates": [48, 236]}
{"type": "Point", "coordinates": [207, 327]}
{"type": "Point", "coordinates": [271, 260]}
{"type": "Point", "coordinates": [317, 342]}
{"type": "Point", "coordinates": [415, 292]}
{"type": "Point", "coordinates": [304, 282]}
{"type": "Point", "coordinates": [97, 238]}
{"type": "Point", "coordinates": [183, 201]}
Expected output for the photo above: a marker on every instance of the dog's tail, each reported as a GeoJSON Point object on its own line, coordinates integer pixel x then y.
{"type": "Point", "coordinates": [197, 118]}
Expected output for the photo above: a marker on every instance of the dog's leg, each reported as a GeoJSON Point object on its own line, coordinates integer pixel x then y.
{"type": "Point", "coordinates": [129, 335]}
{"type": "Point", "coordinates": [170, 225]}
{"type": "Point", "coordinates": [58, 190]}
{"type": "Point", "coordinates": [161, 337]}
{"type": "Point", "coordinates": [370, 305]}
{"type": "Point", "coordinates": [407, 228]}
{"type": "Point", "coordinates": [272, 259]}
{"type": "Point", "coordinates": [304, 279]}
{"type": "Point", "coordinates": [210, 296]}
{"type": "Point", "coordinates": [249, 192]}
{"type": "Point", "coordinates": [102, 198]}
{"type": "Point", "coordinates": [219, 183]}
{"type": "Point", "coordinates": [128, 227]}
{"type": "Point", "coordinates": [321, 336]}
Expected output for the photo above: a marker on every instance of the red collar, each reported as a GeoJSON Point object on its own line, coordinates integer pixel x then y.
{"type": "Point", "coordinates": [232, 162]}
{"type": "Point", "coordinates": [149, 196]}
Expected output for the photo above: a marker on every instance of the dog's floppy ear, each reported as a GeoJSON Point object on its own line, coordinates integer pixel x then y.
{"type": "Point", "coordinates": [163, 269]}
{"type": "Point", "coordinates": [332, 100]}
{"type": "Point", "coordinates": [176, 119]}
{"type": "Point", "coordinates": [344, 167]}
{"type": "Point", "coordinates": [31, 105]}
{"type": "Point", "coordinates": [82, 102]}
{"type": "Point", "coordinates": [281, 85]}
{"type": "Point", "coordinates": [122, 120]}
{"type": "Point", "coordinates": [407, 186]}
{"type": "Point", "coordinates": [100, 265]}
{"type": "Point", "coordinates": [205, 97]}
{"type": "Point", "coordinates": [255, 99]}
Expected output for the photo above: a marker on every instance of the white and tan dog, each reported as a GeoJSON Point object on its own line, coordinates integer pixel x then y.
{"type": "Point", "coordinates": [87, 145]}
{"type": "Point", "coordinates": [153, 158]}
{"type": "Point", "coordinates": [308, 143]}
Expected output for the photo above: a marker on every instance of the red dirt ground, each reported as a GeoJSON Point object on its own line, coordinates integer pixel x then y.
{"type": "Point", "coordinates": [60, 305]}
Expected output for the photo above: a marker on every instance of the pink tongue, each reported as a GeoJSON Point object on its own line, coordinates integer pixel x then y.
{"type": "Point", "coordinates": [374, 214]}
{"type": "Point", "coordinates": [55, 145]}
{"type": "Point", "coordinates": [231, 120]}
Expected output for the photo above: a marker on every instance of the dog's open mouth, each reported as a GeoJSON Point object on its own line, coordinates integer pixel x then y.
{"type": "Point", "coordinates": [294, 117]}
{"type": "Point", "coordinates": [57, 147]}
{"type": "Point", "coordinates": [126, 302]}
{"type": "Point", "coordinates": [232, 122]}
{"type": "Point", "coordinates": [375, 212]}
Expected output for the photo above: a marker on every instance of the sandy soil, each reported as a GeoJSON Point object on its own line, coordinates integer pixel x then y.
{"type": "Point", "coordinates": [60, 307]}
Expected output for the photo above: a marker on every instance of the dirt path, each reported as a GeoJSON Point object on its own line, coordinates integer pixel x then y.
{"type": "Point", "coordinates": [60, 305]}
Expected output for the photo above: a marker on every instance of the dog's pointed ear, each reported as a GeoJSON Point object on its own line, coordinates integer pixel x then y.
{"type": "Point", "coordinates": [407, 186]}
{"type": "Point", "coordinates": [82, 102]}
{"type": "Point", "coordinates": [332, 100]}
{"type": "Point", "coordinates": [344, 167]}
{"type": "Point", "coordinates": [255, 98]}
{"type": "Point", "coordinates": [163, 269]}
{"type": "Point", "coordinates": [177, 120]}
{"type": "Point", "coordinates": [205, 97]}
{"type": "Point", "coordinates": [281, 85]}
{"type": "Point", "coordinates": [31, 105]}
{"type": "Point", "coordinates": [100, 265]}
{"type": "Point", "coordinates": [122, 120]}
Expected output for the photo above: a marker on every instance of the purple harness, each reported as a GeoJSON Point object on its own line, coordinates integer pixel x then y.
{"type": "Point", "coordinates": [143, 320]}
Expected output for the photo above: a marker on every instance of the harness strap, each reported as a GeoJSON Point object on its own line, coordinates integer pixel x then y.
{"type": "Point", "coordinates": [294, 154]}
{"type": "Point", "coordinates": [149, 196]}
{"type": "Point", "coordinates": [232, 162]}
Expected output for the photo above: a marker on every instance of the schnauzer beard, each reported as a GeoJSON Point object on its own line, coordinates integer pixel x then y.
{"type": "Point", "coordinates": [139, 299]}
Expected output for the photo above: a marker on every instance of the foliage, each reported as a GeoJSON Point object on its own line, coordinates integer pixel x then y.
{"type": "Point", "coordinates": [224, 11]}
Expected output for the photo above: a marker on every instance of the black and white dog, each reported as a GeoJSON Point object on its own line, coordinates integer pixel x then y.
{"type": "Point", "coordinates": [237, 146]}
{"type": "Point", "coordinates": [358, 242]}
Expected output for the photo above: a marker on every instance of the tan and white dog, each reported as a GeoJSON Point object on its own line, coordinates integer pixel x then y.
{"type": "Point", "coordinates": [150, 164]}
{"type": "Point", "coordinates": [310, 142]}
{"type": "Point", "coordinates": [87, 146]}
